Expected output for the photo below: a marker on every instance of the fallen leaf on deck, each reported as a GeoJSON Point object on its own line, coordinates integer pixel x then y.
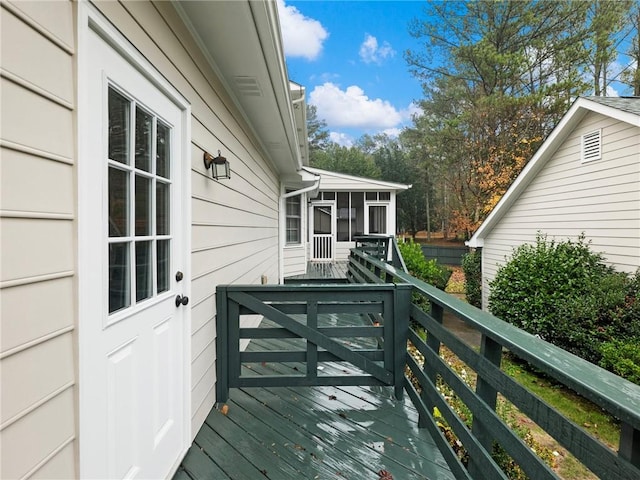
{"type": "Point", "coordinates": [385, 475]}
{"type": "Point", "coordinates": [224, 409]}
{"type": "Point", "coordinates": [332, 397]}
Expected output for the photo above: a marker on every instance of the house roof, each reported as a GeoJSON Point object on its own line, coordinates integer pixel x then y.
{"type": "Point", "coordinates": [364, 183]}
{"type": "Point", "coordinates": [626, 109]}
{"type": "Point", "coordinates": [243, 44]}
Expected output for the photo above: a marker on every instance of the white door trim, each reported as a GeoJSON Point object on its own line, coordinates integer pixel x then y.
{"type": "Point", "coordinates": [331, 237]}
{"type": "Point", "coordinates": [90, 19]}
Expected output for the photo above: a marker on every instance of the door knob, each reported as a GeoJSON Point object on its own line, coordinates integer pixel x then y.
{"type": "Point", "coordinates": [180, 300]}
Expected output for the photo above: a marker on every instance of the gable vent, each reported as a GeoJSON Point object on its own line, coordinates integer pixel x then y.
{"type": "Point", "coordinates": [592, 146]}
{"type": "Point", "coordinates": [248, 86]}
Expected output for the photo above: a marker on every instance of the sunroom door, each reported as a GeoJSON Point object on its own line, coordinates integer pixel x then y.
{"type": "Point", "coordinates": [323, 232]}
{"type": "Point", "coordinates": [133, 342]}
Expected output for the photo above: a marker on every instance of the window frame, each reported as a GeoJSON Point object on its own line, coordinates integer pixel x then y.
{"type": "Point", "coordinates": [293, 201]}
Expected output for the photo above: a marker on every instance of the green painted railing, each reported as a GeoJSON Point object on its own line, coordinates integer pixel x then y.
{"type": "Point", "coordinates": [613, 394]}
{"type": "Point", "coordinates": [301, 312]}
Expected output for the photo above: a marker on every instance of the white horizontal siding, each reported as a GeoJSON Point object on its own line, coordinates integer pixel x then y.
{"type": "Point", "coordinates": [33, 321]}
{"type": "Point", "coordinates": [343, 250]}
{"type": "Point", "coordinates": [567, 198]}
{"type": "Point", "coordinates": [38, 237]}
{"type": "Point", "coordinates": [29, 443]}
{"type": "Point", "coordinates": [235, 222]}
{"type": "Point", "coordinates": [44, 56]}
{"type": "Point", "coordinates": [295, 260]}
{"type": "Point", "coordinates": [25, 176]}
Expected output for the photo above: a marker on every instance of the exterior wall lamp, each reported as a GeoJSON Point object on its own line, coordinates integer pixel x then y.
{"type": "Point", "coordinates": [220, 165]}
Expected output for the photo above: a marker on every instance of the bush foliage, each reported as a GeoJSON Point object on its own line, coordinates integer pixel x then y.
{"type": "Point", "coordinates": [563, 292]}
{"type": "Point", "coordinates": [426, 270]}
{"type": "Point", "coordinates": [472, 267]}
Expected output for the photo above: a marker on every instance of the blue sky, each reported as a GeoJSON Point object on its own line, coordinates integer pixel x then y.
{"type": "Point", "coordinates": [349, 56]}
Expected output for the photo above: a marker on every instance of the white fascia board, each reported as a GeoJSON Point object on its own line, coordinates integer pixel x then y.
{"type": "Point", "coordinates": [372, 182]}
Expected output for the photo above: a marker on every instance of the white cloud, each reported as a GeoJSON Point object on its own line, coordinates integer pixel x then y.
{"type": "Point", "coordinates": [612, 92]}
{"type": "Point", "coordinates": [371, 52]}
{"type": "Point", "coordinates": [302, 36]}
{"type": "Point", "coordinates": [352, 108]}
{"type": "Point", "coordinates": [341, 139]}
{"type": "Point", "coordinates": [392, 132]}
{"type": "Point", "coordinates": [413, 110]}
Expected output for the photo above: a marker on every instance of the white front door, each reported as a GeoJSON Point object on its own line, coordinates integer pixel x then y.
{"type": "Point", "coordinates": [323, 232]}
{"type": "Point", "coordinates": [133, 406]}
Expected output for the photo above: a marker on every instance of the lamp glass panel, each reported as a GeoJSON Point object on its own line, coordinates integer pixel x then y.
{"type": "Point", "coordinates": [221, 170]}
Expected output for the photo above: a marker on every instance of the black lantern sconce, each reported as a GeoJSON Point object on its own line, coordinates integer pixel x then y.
{"type": "Point", "coordinates": [220, 165]}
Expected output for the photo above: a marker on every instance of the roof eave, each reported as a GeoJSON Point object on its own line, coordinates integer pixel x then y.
{"type": "Point", "coordinates": [242, 42]}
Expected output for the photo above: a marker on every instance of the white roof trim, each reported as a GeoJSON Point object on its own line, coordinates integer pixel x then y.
{"type": "Point", "coordinates": [377, 183]}
{"type": "Point", "coordinates": [570, 120]}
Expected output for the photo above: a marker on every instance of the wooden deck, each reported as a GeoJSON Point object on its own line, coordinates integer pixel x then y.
{"type": "Point", "coordinates": [318, 271]}
{"type": "Point", "coordinates": [312, 433]}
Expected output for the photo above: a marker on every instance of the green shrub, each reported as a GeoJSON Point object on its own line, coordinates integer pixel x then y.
{"type": "Point", "coordinates": [563, 292]}
{"type": "Point", "coordinates": [472, 267]}
{"type": "Point", "coordinates": [426, 270]}
{"type": "Point", "coordinates": [622, 357]}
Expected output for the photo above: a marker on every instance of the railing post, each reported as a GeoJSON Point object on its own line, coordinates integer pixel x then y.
{"type": "Point", "coordinates": [402, 310]}
{"type": "Point", "coordinates": [492, 351]}
{"type": "Point", "coordinates": [222, 346]}
{"type": "Point", "coordinates": [437, 313]}
{"type": "Point", "coordinates": [629, 448]}
{"type": "Point", "coordinates": [312, 349]}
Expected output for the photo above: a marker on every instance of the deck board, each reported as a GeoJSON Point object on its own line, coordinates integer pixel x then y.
{"type": "Point", "coordinates": [318, 271]}
{"type": "Point", "coordinates": [312, 432]}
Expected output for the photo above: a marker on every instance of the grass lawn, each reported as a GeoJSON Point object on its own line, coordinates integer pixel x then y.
{"type": "Point", "coordinates": [582, 412]}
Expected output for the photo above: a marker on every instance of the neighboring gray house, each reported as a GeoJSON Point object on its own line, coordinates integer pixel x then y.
{"type": "Point", "coordinates": [323, 221]}
{"type": "Point", "coordinates": [585, 178]}
{"type": "Point", "coordinates": [108, 215]}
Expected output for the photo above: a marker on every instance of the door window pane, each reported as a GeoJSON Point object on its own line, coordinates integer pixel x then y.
{"type": "Point", "coordinates": [377, 219]}
{"type": "Point", "coordinates": [118, 202]}
{"type": "Point", "coordinates": [162, 209]}
{"type": "Point", "coordinates": [144, 124]}
{"type": "Point", "coordinates": [322, 220]}
{"type": "Point", "coordinates": [357, 207]}
{"type": "Point", "coordinates": [143, 205]}
{"type": "Point", "coordinates": [119, 108]}
{"type": "Point", "coordinates": [119, 278]}
{"type": "Point", "coordinates": [144, 272]}
{"type": "Point", "coordinates": [162, 151]}
{"type": "Point", "coordinates": [344, 216]}
{"type": "Point", "coordinates": [163, 263]}
{"type": "Point", "coordinates": [139, 203]}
